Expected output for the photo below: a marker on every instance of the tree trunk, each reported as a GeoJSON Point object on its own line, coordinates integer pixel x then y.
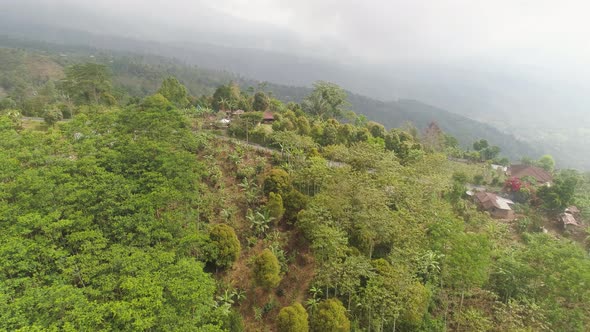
{"type": "Point", "coordinates": [349, 300]}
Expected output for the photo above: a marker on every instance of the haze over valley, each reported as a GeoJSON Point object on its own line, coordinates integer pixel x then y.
{"type": "Point", "coordinates": [522, 71]}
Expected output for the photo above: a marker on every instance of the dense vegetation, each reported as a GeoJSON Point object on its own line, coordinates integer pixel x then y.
{"type": "Point", "coordinates": [145, 212]}
{"type": "Point", "coordinates": [142, 75]}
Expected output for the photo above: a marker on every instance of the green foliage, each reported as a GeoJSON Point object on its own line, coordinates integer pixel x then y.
{"type": "Point", "coordinates": [460, 177]}
{"type": "Point", "coordinates": [473, 320]}
{"type": "Point", "coordinates": [102, 219]}
{"type": "Point", "coordinates": [560, 194]}
{"type": "Point", "coordinates": [330, 317]}
{"type": "Point", "coordinates": [261, 102]}
{"type": "Point", "coordinates": [226, 244]}
{"type": "Point", "coordinates": [480, 145]}
{"type": "Point", "coordinates": [88, 83]}
{"type": "Point", "coordinates": [266, 270]}
{"type": "Point", "coordinates": [95, 236]}
{"type": "Point", "coordinates": [468, 262]}
{"type": "Point", "coordinates": [550, 273]}
{"type": "Point", "coordinates": [259, 221]}
{"type": "Point", "coordinates": [486, 151]}
{"type": "Point", "coordinates": [547, 163]}
{"type": "Point", "coordinates": [156, 102]}
{"type": "Point", "coordinates": [7, 103]}
{"type": "Point", "coordinates": [227, 97]}
{"type": "Point", "coordinates": [394, 297]}
{"type": "Point", "coordinates": [234, 322]}
{"type": "Point", "coordinates": [174, 91]}
{"type": "Point", "coordinates": [326, 101]}
{"type": "Point", "coordinates": [376, 129]}
{"type": "Point", "coordinates": [275, 206]}
{"type": "Point", "coordinates": [277, 181]}
{"type": "Point", "coordinates": [294, 202]}
{"type": "Point", "coordinates": [292, 319]}
{"type": "Point", "coordinates": [52, 116]}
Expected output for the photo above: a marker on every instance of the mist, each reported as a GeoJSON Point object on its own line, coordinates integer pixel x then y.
{"type": "Point", "coordinates": [519, 32]}
{"type": "Point", "coordinates": [521, 66]}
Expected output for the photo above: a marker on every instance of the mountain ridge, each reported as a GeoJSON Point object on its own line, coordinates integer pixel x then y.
{"type": "Point", "coordinates": [201, 80]}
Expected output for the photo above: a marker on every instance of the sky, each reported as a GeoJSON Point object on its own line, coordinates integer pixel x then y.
{"type": "Point", "coordinates": [516, 31]}
{"type": "Point", "coordinates": [512, 63]}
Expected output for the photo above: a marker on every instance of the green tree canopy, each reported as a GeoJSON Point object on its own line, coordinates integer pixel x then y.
{"type": "Point", "coordinates": [261, 102]}
{"type": "Point", "coordinates": [226, 244]}
{"type": "Point", "coordinates": [227, 97]}
{"type": "Point", "coordinates": [275, 206]}
{"type": "Point", "coordinates": [277, 181]}
{"type": "Point", "coordinates": [330, 317]}
{"type": "Point", "coordinates": [547, 163]}
{"type": "Point", "coordinates": [174, 91]}
{"type": "Point", "coordinates": [266, 270]}
{"type": "Point", "coordinates": [52, 116]}
{"type": "Point", "coordinates": [88, 83]}
{"type": "Point", "coordinates": [327, 100]}
{"type": "Point", "coordinates": [292, 319]}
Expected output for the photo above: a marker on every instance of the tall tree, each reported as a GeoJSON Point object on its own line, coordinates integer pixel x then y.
{"type": "Point", "coordinates": [88, 83]}
{"type": "Point", "coordinates": [261, 102]}
{"type": "Point", "coordinates": [226, 95]}
{"type": "Point", "coordinates": [326, 101]}
{"type": "Point", "coordinates": [174, 91]}
{"type": "Point", "coordinates": [547, 163]}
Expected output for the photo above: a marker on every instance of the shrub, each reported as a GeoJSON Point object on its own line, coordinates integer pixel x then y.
{"type": "Point", "coordinates": [330, 317]}
{"type": "Point", "coordinates": [52, 116]}
{"type": "Point", "coordinates": [266, 270]}
{"type": "Point", "coordinates": [292, 319]}
{"type": "Point", "coordinates": [294, 201]}
{"type": "Point", "coordinates": [277, 181]}
{"type": "Point", "coordinates": [275, 206]}
{"type": "Point", "coordinates": [226, 244]}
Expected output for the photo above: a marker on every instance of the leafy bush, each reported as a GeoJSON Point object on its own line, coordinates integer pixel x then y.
{"type": "Point", "coordinates": [275, 206]}
{"type": "Point", "coordinates": [266, 270]}
{"type": "Point", "coordinates": [330, 317]}
{"type": "Point", "coordinates": [277, 181]}
{"type": "Point", "coordinates": [226, 244]}
{"type": "Point", "coordinates": [292, 319]}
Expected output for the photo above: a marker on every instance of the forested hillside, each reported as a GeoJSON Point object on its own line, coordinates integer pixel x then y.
{"type": "Point", "coordinates": [175, 212]}
{"type": "Point", "coordinates": [139, 76]}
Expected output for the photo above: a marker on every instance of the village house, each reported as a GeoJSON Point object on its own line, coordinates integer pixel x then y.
{"type": "Point", "coordinates": [237, 113]}
{"type": "Point", "coordinates": [501, 168]}
{"type": "Point", "coordinates": [540, 175]}
{"type": "Point", "coordinates": [268, 117]}
{"type": "Point", "coordinates": [570, 217]}
{"type": "Point", "coordinates": [498, 207]}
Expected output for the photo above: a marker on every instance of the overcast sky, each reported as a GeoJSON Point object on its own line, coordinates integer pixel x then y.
{"type": "Point", "coordinates": [519, 31]}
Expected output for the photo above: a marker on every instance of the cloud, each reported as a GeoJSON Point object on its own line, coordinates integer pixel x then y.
{"type": "Point", "coordinates": [378, 31]}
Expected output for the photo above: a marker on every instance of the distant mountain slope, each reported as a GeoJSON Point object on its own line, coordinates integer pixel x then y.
{"type": "Point", "coordinates": [529, 106]}
{"type": "Point", "coordinates": [141, 75]}
{"type": "Point", "coordinates": [395, 114]}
